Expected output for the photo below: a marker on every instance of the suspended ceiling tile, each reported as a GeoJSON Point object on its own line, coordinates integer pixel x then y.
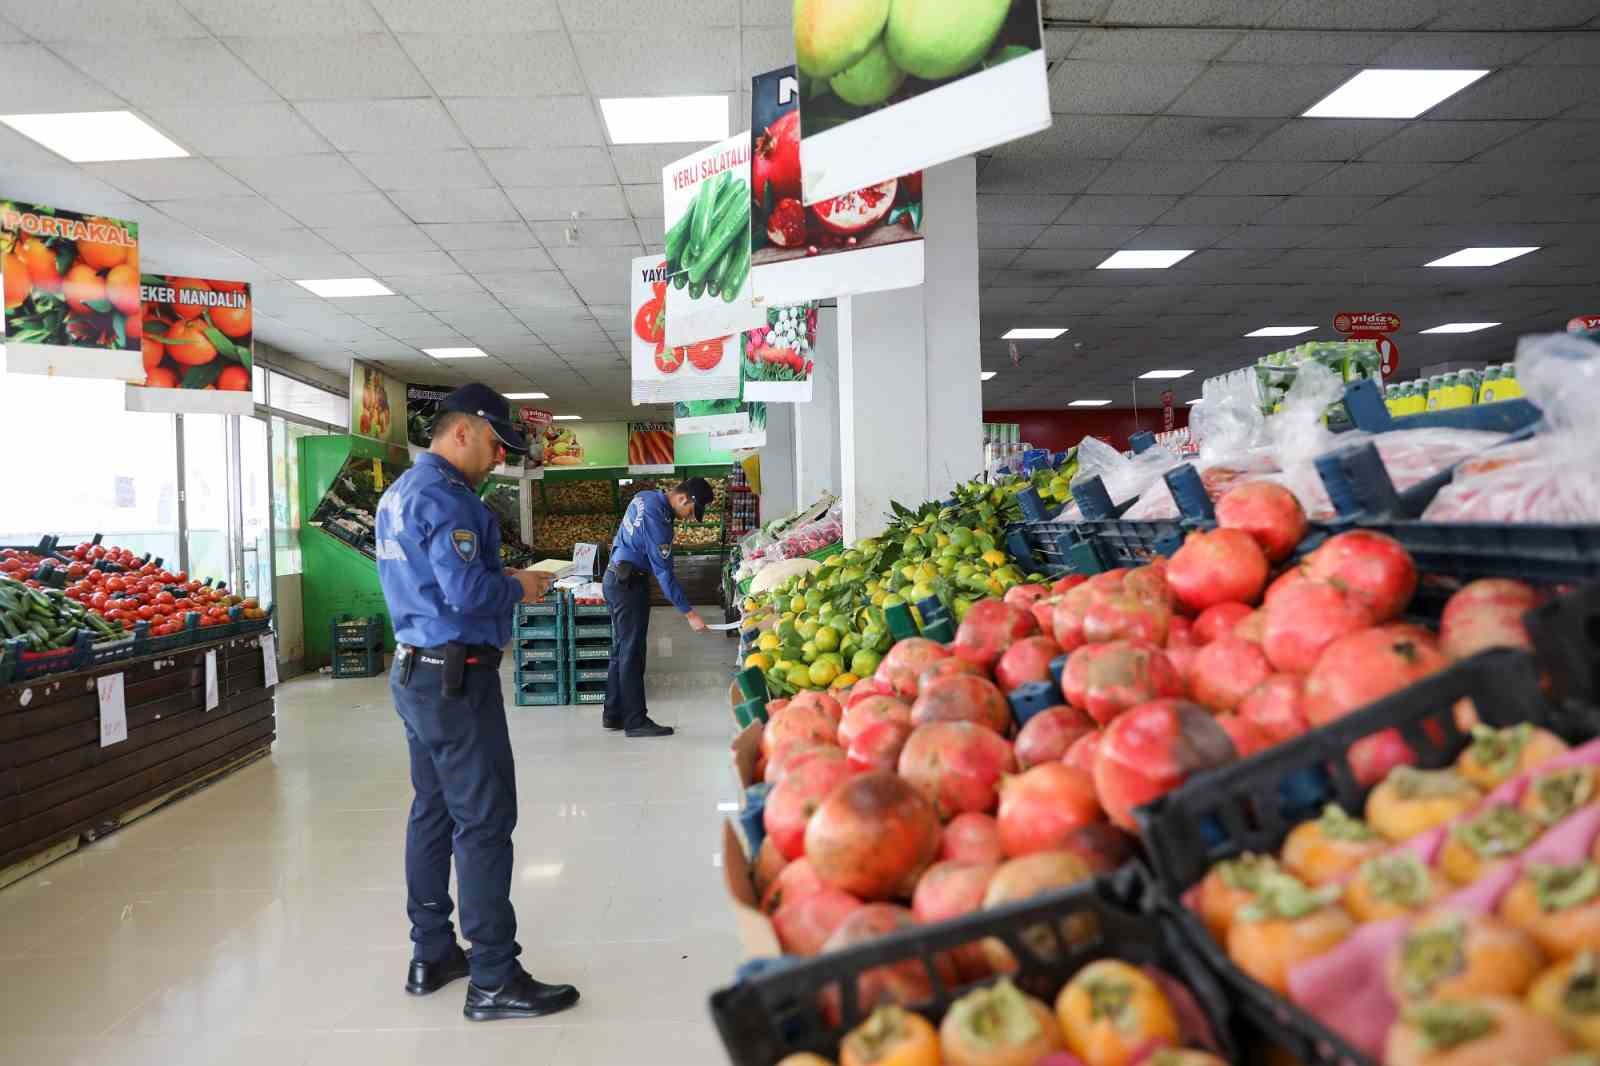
{"type": "Point", "coordinates": [1443, 142]}
{"type": "Point", "coordinates": [491, 122]}
{"type": "Point", "coordinates": [1375, 179]}
{"type": "Point", "coordinates": [297, 174]}
{"type": "Point", "coordinates": [258, 129]}
{"type": "Point", "coordinates": [1489, 15]}
{"type": "Point", "coordinates": [644, 162]}
{"type": "Point", "coordinates": [644, 201]}
{"type": "Point", "coordinates": [1317, 139]}
{"type": "Point", "coordinates": [1153, 177]}
{"type": "Point", "coordinates": [1554, 141]}
{"type": "Point", "coordinates": [591, 233]}
{"type": "Point", "coordinates": [586, 202]}
{"type": "Point", "coordinates": [1085, 86]}
{"type": "Point", "coordinates": [484, 16]}
{"type": "Point", "coordinates": [235, 18]}
{"type": "Point", "coordinates": [1170, 137]}
{"type": "Point", "coordinates": [1373, 14]}
{"type": "Point", "coordinates": [1269, 46]}
{"type": "Point", "coordinates": [400, 264]}
{"type": "Point", "coordinates": [1045, 175]}
{"type": "Point", "coordinates": [167, 179]}
{"type": "Point", "coordinates": [1078, 137]}
{"type": "Point", "coordinates": [458, 169]}
{"type": "Point", "coordinates": [502, 260]}
{"type": "Point", "coordinates": [472, 236]}
{"type": "Point", "coordinates": [762, 50]}
{"type": "Point", "coordinates": [383, 125]}
{"type": "Point", "coordinates": [322, 67]}
{"type": "Point", "coordinates": [1073, 236]}
{"type": "Point", "coordinates": [1239, 89]}
{"type": "Point", "coordinates": [344, 209]}
{"type": "Point", "coordinates": [310, 266]}
{"type": "Point", "coordinates": [667, 60]}
{"type": "Point", "coordinates": [499, 64]}
{"type": "Point", "coordinates": [38, 81]}
{"type": "Point", "coordinates": [357, 239]}
{"type": "Point", "coordinates": [168, 71]}
{"type": "Point", "coordinates": [455, 205]}
{"type": "Point", "coordinates": [540, 167]}
{"type": "Point", "coordinates": [1116, 210]}
{"type": "Point", "coordinates": [1192, 12]}
{"type": "Point", "coordinates": [1011, 210]}
{"type": "Point", "coordinates": [1319, 210]}
{"type": "Point", "coordinates": [1523, 92]}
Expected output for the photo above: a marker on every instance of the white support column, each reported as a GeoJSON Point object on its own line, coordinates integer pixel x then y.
{"type": "Point", "coordinates": [778, 476]}
{"type": "Point", "coordinates": [910, 406]}
{"type": "Point", "coordinates": [816, 424]}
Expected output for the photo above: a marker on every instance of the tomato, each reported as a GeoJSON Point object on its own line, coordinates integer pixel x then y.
{"type": "Point", "coordinates": [115, 583]}
{"type": "Point", "coordinates": [706, 354]}
{"type": "Point", "coordinates": [165, 597]}
{"type": "Point", "coordinates": [180, 577]}
{"type": "Point", "coordinates": [668, 360]}
{"type": "Point", "coordinates": [650, 322]}
{"type": "Point", "coordinates": [77, 569]}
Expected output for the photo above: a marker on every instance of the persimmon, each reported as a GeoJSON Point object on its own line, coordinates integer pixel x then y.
{"type": "Point", "coordinates": [1326, 849]}
{"type": "Point", "coordinates": [1558, 906]}
{"type": "Point", "coordinates": [122, 288]}
{"type": "Point", "coordinates": [1448, 954]}
{"type": "Point", "coordinates": [1485, 842]}
{"type": "Point", "coordinates": [1497, 755]}
{"type": "Point", "coordinates": [1492, 1031]}
{"type": "Point", "coordinates": [891, 1036]}
{"type": "Point", "coordinates": [1229, 885]}
{"type": "Point", "coordinates": [82, 286]}
{"type": "Point", "coordinates": [1111, 1013]}
{"type": "Point", "coordinates": [1390, 886]}
{"type": "Point", "coordinates": [1551, 797]}
{"type": "Point", "coordinates": [998, 1026]}
{"type": "Point", "coordinates": [1411, 801]}
{"type": "Point", "coordinates": [1285, 924]}
{"type": "Point", "coordinates": [1568, 993]}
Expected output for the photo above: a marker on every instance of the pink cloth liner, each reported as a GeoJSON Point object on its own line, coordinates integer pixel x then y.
{"type": "Point", "coordinates": [1347, 988]}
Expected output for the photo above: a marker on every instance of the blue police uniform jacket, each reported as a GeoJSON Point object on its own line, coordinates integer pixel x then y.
{"type": "Point", "coordinates": [439, 560]}
{"type": "Point", "coordinates": [645, 539]}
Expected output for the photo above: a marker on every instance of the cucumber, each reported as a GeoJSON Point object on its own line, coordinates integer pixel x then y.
{"type": "Point", "coordinates": [736, 218]}
{"type": "Point", "coordinates": [705, 202]}
{"type": "Point", "coordinates": [740, 271]}
{"type": "Point", "coordinates": [696, 288]}
{"type": "Point", "coordinates": [680, 279]}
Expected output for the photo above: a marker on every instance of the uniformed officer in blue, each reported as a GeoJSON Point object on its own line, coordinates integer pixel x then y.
{"type": "Point", "coordinates": [452, 606]}
{"type": "Point", "coordinates": [644, 544]}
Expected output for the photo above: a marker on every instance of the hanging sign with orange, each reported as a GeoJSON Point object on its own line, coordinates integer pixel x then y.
{"type": "Point", "coordinates": [71, 292]}
{"type": "Point", "coordinates": [197, 346]}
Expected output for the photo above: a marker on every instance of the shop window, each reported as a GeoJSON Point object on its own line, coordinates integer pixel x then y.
{"type": "Point", "coordinates": [307, 401]}
{"type": "Point", "coordinates": [286, 493]}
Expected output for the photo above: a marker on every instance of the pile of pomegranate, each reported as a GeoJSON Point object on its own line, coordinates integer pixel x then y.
{"type": "Point", "coordinates": [916, 799]}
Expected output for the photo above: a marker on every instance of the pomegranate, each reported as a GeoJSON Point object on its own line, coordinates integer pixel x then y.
{"type": "Point", "coordinates": [798, 755]}
{"type": "Point", "coordinates": [810, 698]}
{"type": "Point", "coordinates": [775, 161]}
{"type": "Point", "coordinates": [795, 881]}
{"type": "Point", "coordinates": [1044, 613]}
{"type": "Point", "coordinates": [1303, 619]}
{"type": "Point", "coordinates": [971, 837]}
{"type": "Point", "coordinates": [797, 724]}
{"type": "Point", "coordinates": [877, 746]}
{"type": "Point", "coordinates": [1222, 566]}
{"type": "Point", "coordinates": [1275, 708]}
{"type": "Point", "coordinates": [1371, 758]}
{"type": "Point", "coordinates": [1283, 583]}
{"type": "Point", "coordinates": [804, 925]}
{"type": "Point", "coordinates": [1372, 567]}
{"type": "Point", "coordinates": [1081, 755]}
{"type": "Point", "coordinates": [1026, 660]}
{"type": "Point", "coordinates": [1109, 580]}
{"type": "Point", "coordinates": [1225, 670]}
{"type": "Point", "coordinates": [1025, 596]}
{"type": "Point", "coordinates": [1047, 735]}
{"type": "Point", "coordinates": [1182, 657]}
{"type": "Point", "coordinates": [1101, 845]}
{"type": "Point", "coordinates": [1219, 620]}
{"type": "Point", "coordinates": [1106, 679]}
{"type": "Point", "coordinates": [869, 710]}
{"type": "Point", "coordinates": [1181, 631]}
{"type": "Point", "coordinates": [916, 654]}
{"type": "Point", "coordinates": [990, 627]}
{"type": "Point", "coordinates": [905, 982]}
{"type": "Point", "coordinates": [1151, 750]}
{"type": "Point", "coordinates": [1148, 583]}
{"type": "Point", "coordinates": [1025, 878]}
{"type": "Point", "coordinates": [796, 798]}
{"type": "Point", "coordinates": [856, 212]}
{"type": "Point", "coordinates": [1041, 808]}
{"type": "Point", "coordinates": [768, 865]}
{"type": "Point", "coordinates": [1486, 614]}
{"type": "Point", "coordinates": [1247, 740]}
{"type": "Point", "coordinates": [910, 187]}
{"type": "Point", "coordinates": [786, 225]}
{"type": "Point", "coordinates": [956, 766]}
{"type": "Point", "coordinates": [861, 690]}
{"type": "Point", "coordinates": [873, 836]}
{"type": "Point", "coordinates": [1066, 623]}
{"type": "Point", "coordinates": [1268, 512]}
{"type": "Point", "coordinates": [894, 679]}
{"type": "Point", "coordinates": [951, 667]}
{"type": "Point", "coordinates": [1068, 582]}
{"type": "Point", "coordinates": [949, 890]}
{"type": "Point", "coordinates": [1252, 627]}
{"type": "Point", "coordinates": [1364, 666]}
{"type": "Point", "coordinates": [963, 699]}
{"type": "Point", "coordinates": [1123, 616]}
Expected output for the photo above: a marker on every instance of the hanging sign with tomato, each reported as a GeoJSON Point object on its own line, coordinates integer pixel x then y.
{"type": "Point", "coordinates": [866, 240]}
{"type": "Point", "coordinates": [72, 302]}
{"type": "Point", "coordinates": [704, 370]}
{"type": "Point", "coordinates": [891, 88]}
{"type": "Point", "coordinates": [706, 200]}
{"type": "Point", "coordinates": [198, 346]}
{"type": "Point", "coordinates": [779, 357]}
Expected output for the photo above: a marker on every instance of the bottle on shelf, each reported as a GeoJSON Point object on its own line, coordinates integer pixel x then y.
{"type": "Point", "coordinates": [1509, 388]}
{"type": "Point", "coordinates": [1489, 388]}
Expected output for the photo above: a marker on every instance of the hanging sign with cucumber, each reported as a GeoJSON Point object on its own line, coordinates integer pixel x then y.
{"type": "Point", "coordinates": [706, 197]}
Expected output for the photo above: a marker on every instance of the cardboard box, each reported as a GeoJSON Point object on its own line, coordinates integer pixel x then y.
{"type": "Point", "coordinates": [756, 934]}
{"type": "Point", "coordinates": [746, 750]}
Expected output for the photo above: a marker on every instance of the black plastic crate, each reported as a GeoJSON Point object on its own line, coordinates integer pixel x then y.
{"type": "Point", "coordinates": [1566, 632]}
{"type": "Point", "coordinates": [776, 1012]}
{"type": "Point", "coordinates": [356, 634]}
{"type": "Point", "coordinates": [1221, 814]}
{"type": "Point", "coordinates": [531, 693]}
{"type": "Point", "coordinates": [589, 691]}
{"type": "Point", "coordinates": [368, 663]}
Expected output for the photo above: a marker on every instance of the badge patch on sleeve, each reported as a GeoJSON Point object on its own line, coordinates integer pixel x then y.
{"type": "Point", "coordinates": [665, 550]}
{"type": "Point", "coordinates": [466, 543]}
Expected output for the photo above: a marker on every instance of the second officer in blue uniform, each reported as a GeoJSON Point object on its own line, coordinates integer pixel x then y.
{"type": "Point", "coordinates": [438, 549]}
{"type": "Point", "coordinates": [644, 545]}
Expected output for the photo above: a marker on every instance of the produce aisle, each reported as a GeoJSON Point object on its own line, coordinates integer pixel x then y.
{"type": "Point", "coordinates": [262, 920]}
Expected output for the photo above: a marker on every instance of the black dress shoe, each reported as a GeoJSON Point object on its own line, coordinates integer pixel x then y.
{"type": "Point", "coordinates": [611, 723]}
{"type": "Point", "coordinates": [647, 728]}
{"type": "Point", "coordinates": [426, 977]}
{"type": "Point", "coordinates": [521, 997]}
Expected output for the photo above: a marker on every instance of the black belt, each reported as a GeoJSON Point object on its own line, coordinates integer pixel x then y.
{"type": "Point", "coordinates": [476, 654]}
{"type": "Point", "coordinates": [625, 570]}
{"type": "Point", "coordinates": [452, 661]}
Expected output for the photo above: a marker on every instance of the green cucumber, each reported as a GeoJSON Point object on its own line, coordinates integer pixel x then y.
{"type": "Point", "coordinates": [724, 271]}
{"type": "Point", "coordinates": [680, 279]}
{"type": "Point", "coordinates": [740, 271]}
{"type": "Point", "coordinates": [705, 201]}
{"type": "Point", "coordinates": [696, 288]}
{"type": "Point", "coordinates": [735, 220]}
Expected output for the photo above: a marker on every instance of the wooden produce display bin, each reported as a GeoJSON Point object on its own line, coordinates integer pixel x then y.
{"type": "Point", "coordinates": [59, 787]}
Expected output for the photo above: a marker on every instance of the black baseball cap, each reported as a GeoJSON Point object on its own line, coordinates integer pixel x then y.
{"type": "Point", "coordinates": [479, 399]}
{"type": "Point", "coordinates": [698, 489]}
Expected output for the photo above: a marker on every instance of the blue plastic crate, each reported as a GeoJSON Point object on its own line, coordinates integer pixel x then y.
{"type": "Point", "coordinates": [589, 692]}
{"type": "Point", "coordinates": [367, 662]}
{"type": "Point", "coordinates": [541, 673]}
{"type": "Point", "coordinates": [596, 673]}
{"type": "Point", "coordinates": [540, 694]}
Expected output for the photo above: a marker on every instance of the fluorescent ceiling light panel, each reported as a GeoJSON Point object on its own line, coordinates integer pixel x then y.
{"type": "Point", "coordinates": [1480, 257]}
{"type": "Point", "coordinates": [665, 119]}
{"type": "Point", "coordinates": [1461, 327]}
{"type": "Point", "coordinates": [96, 136]}
{"type": "Point", "coordinates": [344, 288]}
{"type": "Point", "coordinates": [1030, 334]}
{"type": "Point", "coordinates": [1392, 93]}
{"type": "Point", "coordinates": [1190, 403]}
{"type": "Point", "coordinates": [1145, 259]}
{"type": "Point", "coordinates": [1280, 331]}
{"type": "Point", "coordinates": [1158, 375]}
{"type": "Point", "coordinates": [987, 374]}
{"type": "Point", "coordinates": [527, 395]}
{"type": "Point", "coordinates": [1090, 403]}
{"type": "Point", "coordinates": [456, 353]}
{"type": "Point", "coordinates": [567, 418]}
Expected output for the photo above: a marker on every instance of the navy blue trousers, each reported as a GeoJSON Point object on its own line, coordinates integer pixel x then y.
{"type": "Point", "coordinates": [629, 604]}
{"type": "Point", "coordinates": [465, 805]}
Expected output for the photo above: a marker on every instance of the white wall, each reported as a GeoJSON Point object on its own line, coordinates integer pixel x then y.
{"type": "Point", "coordinates": [950, 317]}
{"type": "Point", "coordinates": [778, 476]}
{"type": "Point", "coordinates": [816, 424]}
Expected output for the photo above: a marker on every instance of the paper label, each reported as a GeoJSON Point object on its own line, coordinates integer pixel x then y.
{"type": "Point", "coordinates": [113, 710]}
{"type": "Point", "coordinates": [269, 659]}
{"type": "Point", "coordinates": [213, 697]}
{"type": "Point", "coordinates": [583, 559]}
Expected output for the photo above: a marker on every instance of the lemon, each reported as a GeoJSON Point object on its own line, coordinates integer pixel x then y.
{"type": "Point", "coordinates": [800, 676]}
{"type": "Point", "coordinates": [768, 642]}
{"type": "Point", "coordinates": [865, 662]}
{"type": "Point", "coordinates": [827, 638]}
{"type": "Point", "coordinates": [961, 537]}
{"type": "Point", "coordinates": [921, 590]}
{"type": "Point", "coordinates": [808, 651]}
{"type": "Point", "coordinates": [843, 681]}
{"type": "Point", "coordinates": [993, 557]}
{"type": "Point", "coordinates": [892, 601]}
{"type": "Point", "coordinates": [759, 661]}
{"type": "Point", "coordinates": [960, 607]}
{"type": "Point", "coordinates": [797, 604]}
{"type": "Point", "coordinates": [807, 629]}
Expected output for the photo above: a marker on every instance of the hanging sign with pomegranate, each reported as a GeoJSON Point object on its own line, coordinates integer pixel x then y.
{"type": "Point", "coordinates": [706, 201]}
{"type": "Point", "coordinates": [72, 302]}
{"type": "Point", "coordinates": [890, 87]}
{"type": "Point", "coordinates": [704, 370]}
{"type": "Point", "coordinates": [866, 240]}
{"type": "Point", "coordinates": [198, 347]}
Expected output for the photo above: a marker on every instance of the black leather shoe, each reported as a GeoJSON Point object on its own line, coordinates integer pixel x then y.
{"type": "Point", "coordinates": [426, 977]}
{"type": "Point", "coordinates": [647, 728]}
{"type": "Point", "coordinates": [521, 997]}
{"type": "Point", "coordinates": [611, 723]}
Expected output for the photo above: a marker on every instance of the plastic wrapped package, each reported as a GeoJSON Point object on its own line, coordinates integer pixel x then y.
{"type": "Point", "coordinates": [1124, 478]}
{"type": "Point", "coordinates": [813, 536]}
{"type": "Point", "coordinates": [1554, 476]}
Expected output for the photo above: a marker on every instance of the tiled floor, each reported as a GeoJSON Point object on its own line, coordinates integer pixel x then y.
{"type": "Point", "coordinates": [262, 920]}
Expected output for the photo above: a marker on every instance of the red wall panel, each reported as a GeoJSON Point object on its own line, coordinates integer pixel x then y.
{"type": "Point", "coordinates": [1059, 429]}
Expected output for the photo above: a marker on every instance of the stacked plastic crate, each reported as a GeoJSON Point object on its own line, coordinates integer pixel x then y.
{"type": "Point", "coordinates": [357, 645]}
{"type": "Point", "coordinates": [539, 643]}
{"type": "Point", "coordinates": [589, 647]}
